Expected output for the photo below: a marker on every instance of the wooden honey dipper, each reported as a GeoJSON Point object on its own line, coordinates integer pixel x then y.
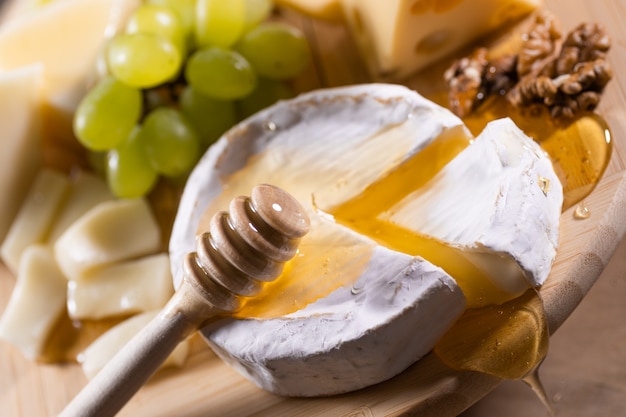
{"type": "Point", "coordinates": [242, 249]}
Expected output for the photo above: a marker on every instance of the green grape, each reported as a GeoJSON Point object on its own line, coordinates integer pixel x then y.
{"type": "Point", "coordinates": [158, 20]}
{"type": "Point", "coordinates": [275, 50]}
{"type": "Point", "coordinates": [219, 22]}
{"type": "Point", "coordinates": [170, 142]}
{"type": "Point", "coordinates": [209, 116]}
{"type": "Point", "coordinates": [107, 114]}
{"type": "Point", "coordinates": [221, 74]}
{"type": "Point", "coordinates": [256, 12]}
{"type": "Point", "coordinates": [143, 60]}
{"type": "Point", "coordinates": [185, 9]}
{"type": "Point", "coordinates": [129, 172]}
{"type": "Point", "coordinates": [265, 94]}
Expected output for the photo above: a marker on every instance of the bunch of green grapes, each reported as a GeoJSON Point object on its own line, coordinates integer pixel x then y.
{"type": "Point", "coordinates": [180, 75]}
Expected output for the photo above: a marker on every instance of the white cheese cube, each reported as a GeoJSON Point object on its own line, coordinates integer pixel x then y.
{"type": "Point", "coordinates": [400, 37]}
{"type": "Point", "coordinates": [100, 352]}
{"type": "Point", "coordinates": [20, 136]}
{"type": "Point", "coordinates": [121, 288]}
{"type": "Point", "coordinates": [86, 191]}
{"type": "Point", "coordinates": [112, 231]}
{"type": "Point", "coordinates": [35, 217]}
{"type": "Point", "coordinates": [36, 303]}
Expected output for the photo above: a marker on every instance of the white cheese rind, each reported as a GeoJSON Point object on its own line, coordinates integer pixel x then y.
{"type": "Point", "coordinates": [505, 183]}
{"type": "Point", "coordinates": [351, 339]}
{"type": "Point", "coordinates": [327, 140]}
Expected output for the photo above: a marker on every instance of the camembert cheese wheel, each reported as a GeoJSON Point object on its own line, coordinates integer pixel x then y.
{"type": "Point", "coordinates": [372, 289]}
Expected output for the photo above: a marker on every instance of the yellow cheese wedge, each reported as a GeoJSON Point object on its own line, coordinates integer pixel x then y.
{"type": "Point", "coordinates": [402, 36]}
{"type": "Point", "coordinates": [20, 122]}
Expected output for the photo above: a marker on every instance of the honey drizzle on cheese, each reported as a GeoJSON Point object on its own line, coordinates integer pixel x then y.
{"type": "Point", "coordinates": [363, 215]}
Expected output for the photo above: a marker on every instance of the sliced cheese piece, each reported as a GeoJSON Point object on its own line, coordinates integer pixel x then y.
{"type": "Point", "coordinates": [400, 37]}
{"type": "Point", "coordinates": [110, 232]}
{"type": "Point", "coordinates": [506, 183]}
{"type": "Point", "coordinates": [35, 217]}
{"type": "Point", "coordinates": [66, 37]}
{"type": "Point", "coordinates": [121, 288]}
{"type": "Point", "coordinates": [86, 192]}
{"type": "Point", "coordinates": [36, 302]}
{"type": "Point", "coordinates": [331, 144]}
{"type": "Point", "coordinates": [100, 352]}
{"type": "Point", "coordinates": [20, 135]}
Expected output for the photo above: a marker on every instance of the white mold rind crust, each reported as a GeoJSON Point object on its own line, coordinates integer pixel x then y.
{"type": "Point", "coordinates": [349, 339]}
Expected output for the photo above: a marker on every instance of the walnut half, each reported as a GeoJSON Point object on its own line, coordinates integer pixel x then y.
{"type": "Point", "coordinates": [563, 76]}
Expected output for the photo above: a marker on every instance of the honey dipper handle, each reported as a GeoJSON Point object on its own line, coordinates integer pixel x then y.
{"type": "Point", "coordinates": [265, 230]}
{"type": "Point", "coordinates": [131, 367]}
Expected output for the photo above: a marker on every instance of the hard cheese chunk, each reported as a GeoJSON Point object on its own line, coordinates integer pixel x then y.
{"type": "Point", "coordinates": [20, 136]}
{"type": "Point", "coordinates": [110, 232]}
{"type": "Point", "coordinates": [506, 184]}
{"type": "Point", "coordinates": [121, 288]}
{"type": "Point", "coordinates": [36, 302]}
{"type": "Point", "coordinates": [402, 36]}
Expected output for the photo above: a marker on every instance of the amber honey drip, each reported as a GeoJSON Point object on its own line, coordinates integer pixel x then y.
{"type": "Point", "coordinates": [508, 341]}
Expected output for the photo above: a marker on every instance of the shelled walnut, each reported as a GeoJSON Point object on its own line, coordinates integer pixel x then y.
{"type": "Point", "coordinates": [565, 76]}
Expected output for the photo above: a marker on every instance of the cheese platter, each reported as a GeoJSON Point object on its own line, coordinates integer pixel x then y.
{"type": "Point", "coordinates": [205, 385]}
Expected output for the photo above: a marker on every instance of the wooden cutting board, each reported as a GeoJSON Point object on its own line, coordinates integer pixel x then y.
{"type": "Point", "coordinates": [207, 387]}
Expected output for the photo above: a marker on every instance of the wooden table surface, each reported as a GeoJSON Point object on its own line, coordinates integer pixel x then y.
{"type": "Point", "coordinates": [207, 387]}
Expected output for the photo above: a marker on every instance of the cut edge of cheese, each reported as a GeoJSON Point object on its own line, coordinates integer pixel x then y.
{"type": "Point", "coordinates": [513, 181]}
